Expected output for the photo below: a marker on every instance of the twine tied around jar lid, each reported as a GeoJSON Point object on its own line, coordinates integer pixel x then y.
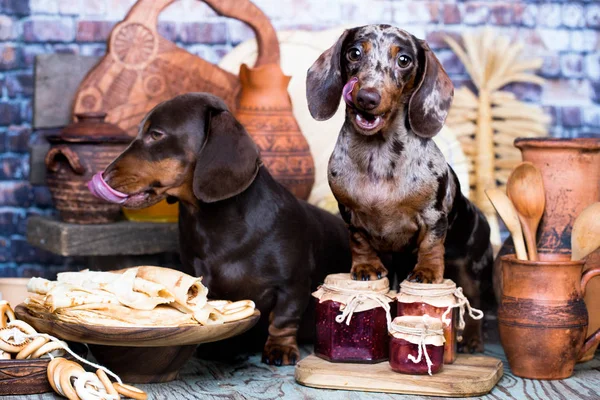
{"type": "Point", "coordinates": [447, 288]}
{"type": "Point", "coordinates": [425, 329]}
{"type": "Point", "coordinates": [355, 296]}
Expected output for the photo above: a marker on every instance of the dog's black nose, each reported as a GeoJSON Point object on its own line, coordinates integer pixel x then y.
{"type": "Point", "coordinates": [368, 99]}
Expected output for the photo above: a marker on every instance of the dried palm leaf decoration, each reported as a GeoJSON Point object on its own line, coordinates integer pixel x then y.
{"type": "Point", "coordinates": [487, 123]}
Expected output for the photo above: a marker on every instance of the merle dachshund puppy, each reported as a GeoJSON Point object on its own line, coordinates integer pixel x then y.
{"type": "Point", "coordinates": [399, 197]}
{"type": "Point", "coordinates": [244, 233]}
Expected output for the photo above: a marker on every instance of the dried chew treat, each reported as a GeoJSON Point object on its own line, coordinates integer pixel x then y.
{"type": "Point", "coordinates": [110, 389]}
{"type": "Point", "coordinates": [15, 336]}
{"type": "Point", "coordinates": [6, 313]}
{"type": "Point", "coordinates": [130, 391]}
{"type": "Point", "coordinates": [29, 349]}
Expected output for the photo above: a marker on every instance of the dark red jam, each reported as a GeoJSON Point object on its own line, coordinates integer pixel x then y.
{"type": "Point", "coordinates": [418, 309]}
{"type": "Point", "coordinates": [399, 361]}
{"type": "Point", "coordinates": [365, 340]}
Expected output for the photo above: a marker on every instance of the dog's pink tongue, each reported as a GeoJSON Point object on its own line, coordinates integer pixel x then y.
{"type": "Point", "coordinates": [347, 91]}
{"type": "Point", "coordinates": [100, 189]}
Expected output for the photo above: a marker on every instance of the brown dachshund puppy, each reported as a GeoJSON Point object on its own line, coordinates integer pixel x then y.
{"type": "Point", "coordinates": [244, 233]}
{"type": "Point", "coordinates": [400, 199]}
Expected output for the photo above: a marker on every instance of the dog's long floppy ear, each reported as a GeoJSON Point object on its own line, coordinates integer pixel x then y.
{"type": "Point", "coordinates": [429, 104]}
{"type": "Point", "coordinates": [227, 162]}
{"type": "Point", "coordinates": [324, 82]}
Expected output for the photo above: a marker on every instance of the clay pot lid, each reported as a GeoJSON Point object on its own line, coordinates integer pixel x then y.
{"type": "Point", "coordinates": [91, 127]}
{"type": "Point", "coordinates": [345, 281]}
{"type": "Point", "coordinates": [584, 143]}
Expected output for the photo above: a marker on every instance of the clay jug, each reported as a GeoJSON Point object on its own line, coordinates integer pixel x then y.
{"type": "Point", "coordinates": [542, 318]}
{"type": "Point", "coordinates": [571, 174]}
{"type": "Point", "coordinates": [265, 109]}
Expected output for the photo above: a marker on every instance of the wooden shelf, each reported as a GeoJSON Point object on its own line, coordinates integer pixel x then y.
{"type": "Point", "coordinates": [118, 238]}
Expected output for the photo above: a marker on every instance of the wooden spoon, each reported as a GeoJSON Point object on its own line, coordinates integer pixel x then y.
{"type": "Point", "coordinates": [507, 212]}
{"type": "Point", "coordinates": [585, 237]}
{"type": "Point", "coordinates": [525, 189]}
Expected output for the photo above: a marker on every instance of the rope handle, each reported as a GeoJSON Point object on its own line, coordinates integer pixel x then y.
{"type": "Point", "coordinates": [422, 350]}
{"type": "Point", "coordinates": [460, 304]}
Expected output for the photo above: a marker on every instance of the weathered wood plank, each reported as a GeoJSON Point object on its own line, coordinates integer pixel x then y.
{"type": "Point", "coordinates": [247, 378]}
{"type": "Point", "coordinates": [57, 77]}
{"type": "Point", "coordinates": [119, 238]}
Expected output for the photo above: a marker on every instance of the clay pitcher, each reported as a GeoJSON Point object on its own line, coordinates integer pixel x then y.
{"type": "Point", "coordinates": [542, 317]}
{"type": "Point", "coordinates": [265, 110]}
{"type": "Point", "coordinates": [571, 173]}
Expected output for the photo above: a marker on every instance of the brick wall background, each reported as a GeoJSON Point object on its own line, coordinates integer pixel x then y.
{"type": "Point", "coordinates": [565, 33]}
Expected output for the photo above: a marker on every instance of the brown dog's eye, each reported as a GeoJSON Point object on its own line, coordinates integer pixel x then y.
{"type": "Point", "coordinates": [354, 54]}
{"type": "Point", "coordinates": [155, 135]}
{"type": "Point", "coordinates": [404, 61]}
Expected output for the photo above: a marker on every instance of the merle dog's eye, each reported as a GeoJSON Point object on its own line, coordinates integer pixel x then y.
{"type": "Point", "coordinates": [155, 135]}
{"type": "Point", "coordinates": [404, 61]}
{"type": "Point", "coordinates": [354, 54]}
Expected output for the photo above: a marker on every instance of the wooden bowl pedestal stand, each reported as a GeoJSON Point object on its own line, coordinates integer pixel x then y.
{"type": "Point", "coordinates": [139, 354]}
{"type": "Point", "coordinates": [469, 375]}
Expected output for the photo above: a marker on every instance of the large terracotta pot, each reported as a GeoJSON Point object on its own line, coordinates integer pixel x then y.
{"type": "Point", "coordinates": [265, 110]}
{"type": "Point", "coordinates": [542, 317]}
{"type": "Point", "coordinates": [81, 149]}
{"type": "Point", "coordinates": [571, 173]}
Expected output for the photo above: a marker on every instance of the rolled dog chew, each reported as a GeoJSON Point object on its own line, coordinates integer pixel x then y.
{"type": "Point", "coordinates": [40, 285]}
{"type": "Point", "coordinates": [110, 389]}
{"type": "Point", "coordinates": [130, 391]}
{"type": "Point", "coordinates": [13, 338]}
{"type": "Point", "coordinates": [65, 374]}
{"type": "Point", "coordinates": [48, 348]}
{"type": "Point", "coordinates": [190, 294]}
{"type": "Point", "coordinates": [6, 313]}
{"type": "Point", "coordinates": [34, 345]}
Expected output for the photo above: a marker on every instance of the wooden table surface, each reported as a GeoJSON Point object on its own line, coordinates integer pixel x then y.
{"type": "Point", "coordinates": [247, 378]}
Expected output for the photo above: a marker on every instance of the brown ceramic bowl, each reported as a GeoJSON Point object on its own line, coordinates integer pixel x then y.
{"type": "Point", "coordinates": [140, 354]}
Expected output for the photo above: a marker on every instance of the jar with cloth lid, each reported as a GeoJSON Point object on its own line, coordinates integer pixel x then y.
{"type": "Point", "coordinates": [352, 319]}
{"type": "Point", "coordinates": [417, 345]}
{"type": "Point", "coordinates": [444, 301]}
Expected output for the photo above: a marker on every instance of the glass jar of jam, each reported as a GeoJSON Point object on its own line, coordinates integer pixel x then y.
{"type": "Point", "coordinates": [444, 301]}
{"type": "Point", "coordinates": [416, 345]}
{"type": "Point", "coordinates": [352, 320]}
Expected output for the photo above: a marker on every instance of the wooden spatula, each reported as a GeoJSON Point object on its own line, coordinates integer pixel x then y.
{"type": "Point", "coordinates": [525, 189]}
{"type": "Point", "coordinates": [507, 212]}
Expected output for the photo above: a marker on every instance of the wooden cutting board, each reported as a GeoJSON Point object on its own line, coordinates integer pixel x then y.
{"type": "Point", "coordinates": [470, 375]}
{"type": "Point", "coordinates": [142, 69]}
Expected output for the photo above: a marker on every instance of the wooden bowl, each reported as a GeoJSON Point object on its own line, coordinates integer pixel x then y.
{"type": "Point", "coordinates": [140, 354]}
{"type": "Point", "coordinates": [29, 376]}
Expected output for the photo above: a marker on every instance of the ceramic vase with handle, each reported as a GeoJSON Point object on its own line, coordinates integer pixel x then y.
{"type": "Point", "coordinates": [542, 317]}
{"type": "Point", "coordinates": [265, 110]}
{"type": "Point", "coordinates": [571, 174]}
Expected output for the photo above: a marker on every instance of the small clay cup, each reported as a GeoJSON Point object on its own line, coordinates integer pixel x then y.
{"type": "Point", "coordinates": [542, 317]}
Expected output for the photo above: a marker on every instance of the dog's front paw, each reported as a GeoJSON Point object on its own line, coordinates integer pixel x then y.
{"type": "Point", "coordinates": [472, 338]}
{"type": "Point", "coordinates": [368, 271]}
{"type": "Point", "coordinates": [277, 353]}
{"type": "Point", "coordinates": [472, 344]}
{"type": "Point", "coordinates": [425, 275]}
